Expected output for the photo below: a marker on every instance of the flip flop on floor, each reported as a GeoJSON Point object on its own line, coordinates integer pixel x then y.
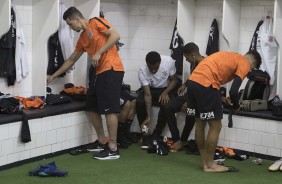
{"type": "Point", "coordinates": [78, 151]}
{"type": "Point", "coordinates": [232, 169]}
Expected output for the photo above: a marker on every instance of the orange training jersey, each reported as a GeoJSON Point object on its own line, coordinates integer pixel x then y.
{"type": "Point", "coordinates": [92, 39]}
{"type": "Point", "coordinates": [220, 68]}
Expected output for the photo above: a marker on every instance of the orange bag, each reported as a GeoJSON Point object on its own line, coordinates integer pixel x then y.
{"type": "Point", "coordinates": [76, 90]}
{"type": "Point", "coordinates": [31, 103]}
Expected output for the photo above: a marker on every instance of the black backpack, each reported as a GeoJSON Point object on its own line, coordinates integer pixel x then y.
{"type": "Point", "coordinates": [257, 86]}
{"type": "Point", "coordinates": [55, 55]}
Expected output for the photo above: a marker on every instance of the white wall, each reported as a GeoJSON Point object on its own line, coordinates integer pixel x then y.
{"type": "Point", "coordinates": [252, 12]}
{"type": "Point", "coordinates": [48, 135]}
{"type": "Point", "coordinates": [253, 135]}
{"type": "Point", "coordinates": [144, 26]}
{"type": "Point", "coordinates": [5, 11]}
{"type": "Point", "coordinates": [22, 88]}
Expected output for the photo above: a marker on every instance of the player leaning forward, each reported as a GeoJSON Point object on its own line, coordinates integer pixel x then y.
{"type": "Point", "coordinates": [204, 99]}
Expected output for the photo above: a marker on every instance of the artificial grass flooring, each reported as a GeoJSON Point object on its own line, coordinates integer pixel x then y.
{"type": "Point", "coordinates": [137, 166]}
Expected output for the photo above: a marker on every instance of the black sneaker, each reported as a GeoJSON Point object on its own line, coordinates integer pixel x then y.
{"type": "Point", "coordinates": [145, 142]}
{"type": "Point", "coordinates": [107, 154]}
{"type": "Point", "coordinates": [96, 146]}
{"type": "Point", "coordinates": [122, 141]}
{"type": "Point", "coordinates": [134, 137]}
{"type": "Point", "coordinates": [78, 151]}
{"type": "Point", "coordinates": [122, 145]}
{"type": "Point", "coordinates": [218, 156]}
{"type": "Point", "coordinates": [192, 147]}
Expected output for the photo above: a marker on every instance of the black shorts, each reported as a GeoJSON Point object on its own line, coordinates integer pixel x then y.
{"type": "Point", "coordinates": [204, 103]}
{"type": "Point", "coordinates": [104, 94]}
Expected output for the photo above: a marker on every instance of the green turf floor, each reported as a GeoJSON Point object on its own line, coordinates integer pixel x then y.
{"type": "Point", "coordinates": [137, 166]}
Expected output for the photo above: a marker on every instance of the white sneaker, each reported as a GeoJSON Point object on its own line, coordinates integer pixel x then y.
{"type": "Point", "coordinates": [276, 166]}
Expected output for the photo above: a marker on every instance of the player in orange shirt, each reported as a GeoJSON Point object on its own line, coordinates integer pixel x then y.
{"type": "Point", "coordinates": [98, 38]}
{"type": "Point", "coordinates": [204, 99]}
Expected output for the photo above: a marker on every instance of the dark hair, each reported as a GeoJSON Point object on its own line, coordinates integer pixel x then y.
{"type": "Point", "coordinates": [153, 58]}
{"type": "Point", "coordinates": [72, 13]}
{"type": "Point", "coordinates": [190, 48]}
{"type": "Point", "coordinates": [256, 56]}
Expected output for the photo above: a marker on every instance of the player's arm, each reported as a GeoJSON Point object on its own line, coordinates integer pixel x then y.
{"type": "Point", "coordinates": [113, 37]}
{"type": "Point", "coordinates": [66, 66]}
{"type": "Point", "coordinates": [234, 92]}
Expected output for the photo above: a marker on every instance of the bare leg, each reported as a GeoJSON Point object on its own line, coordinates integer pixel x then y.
{"type": "Point", "coordinates": [210, 146]}
{"type": "Point", "coordinates": [200, 139]}
{"type": "Point", "coordinates": [112, 124]}
{"type": "Point", "coordinates": [122, 117]}
{"type": "Point", "coordinates": [132, 111]}
{"type": "Point", "coordinates": [96, 121]}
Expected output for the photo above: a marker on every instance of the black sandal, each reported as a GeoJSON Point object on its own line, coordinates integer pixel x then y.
{"type": "Point", "coordinates": [232, 169]}
{"type": "Point", "coordinates": [78, 151]}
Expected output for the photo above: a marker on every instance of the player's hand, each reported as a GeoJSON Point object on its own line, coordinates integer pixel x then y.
{"type": "Point", "coordinates": [50, 79]}
{"type": "Point", "coordinates": [164, 99]}
{"type": "Point", "coordinates": [95, 59]}
{"type": "Point", "coordinates": [181, 90]}
{"type": "Point", "coordinates": [235, 111]}
{"type": "Point", "coordinates": [146, 122]}
{"type": "Point", "coordinates": [226, 100]}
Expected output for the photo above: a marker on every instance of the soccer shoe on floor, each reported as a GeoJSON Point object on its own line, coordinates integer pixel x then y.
{"type": "Point", "coordinates": [78, 151]}
{"type": "Point", "coordinates": [96, 146]}
{"type": "Point", "coordinates": [42, 168]}
{"type": "Point", "coordinates": [107, 154]}
{"type": "Point", "coordinates": [240, 157]}
{"type": "Point", "coordinates": [218, 156]}
{"type": "Point", "coordinates": [53, 172]}
{"type": "Point", "coordinates": [192, 147]}
{"type": "Point", "coordinates": [145, 142]}
{"type": "Point", "coordinates": [276, 166]}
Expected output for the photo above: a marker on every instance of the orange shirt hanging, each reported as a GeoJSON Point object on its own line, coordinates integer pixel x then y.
{"type": "Point", "coordinates": [220, 68]}
{"type": "Point", "coordinates": [92, 39]}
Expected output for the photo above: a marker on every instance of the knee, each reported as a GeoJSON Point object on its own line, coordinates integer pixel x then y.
{"type": "Point", "coordinates": [133, 103]}
{"type": "Point", "coordinates": [127, 105]}
{"type": "Point", "coordinates": [215, 125]}
{"type": "Point", "coordinates": [169, 108]}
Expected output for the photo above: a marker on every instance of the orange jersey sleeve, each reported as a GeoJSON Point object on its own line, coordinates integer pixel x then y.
{"type": "Point", "coordinates": [220, 68]}
{"type": "Point", "coordinates": [92, 39]}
